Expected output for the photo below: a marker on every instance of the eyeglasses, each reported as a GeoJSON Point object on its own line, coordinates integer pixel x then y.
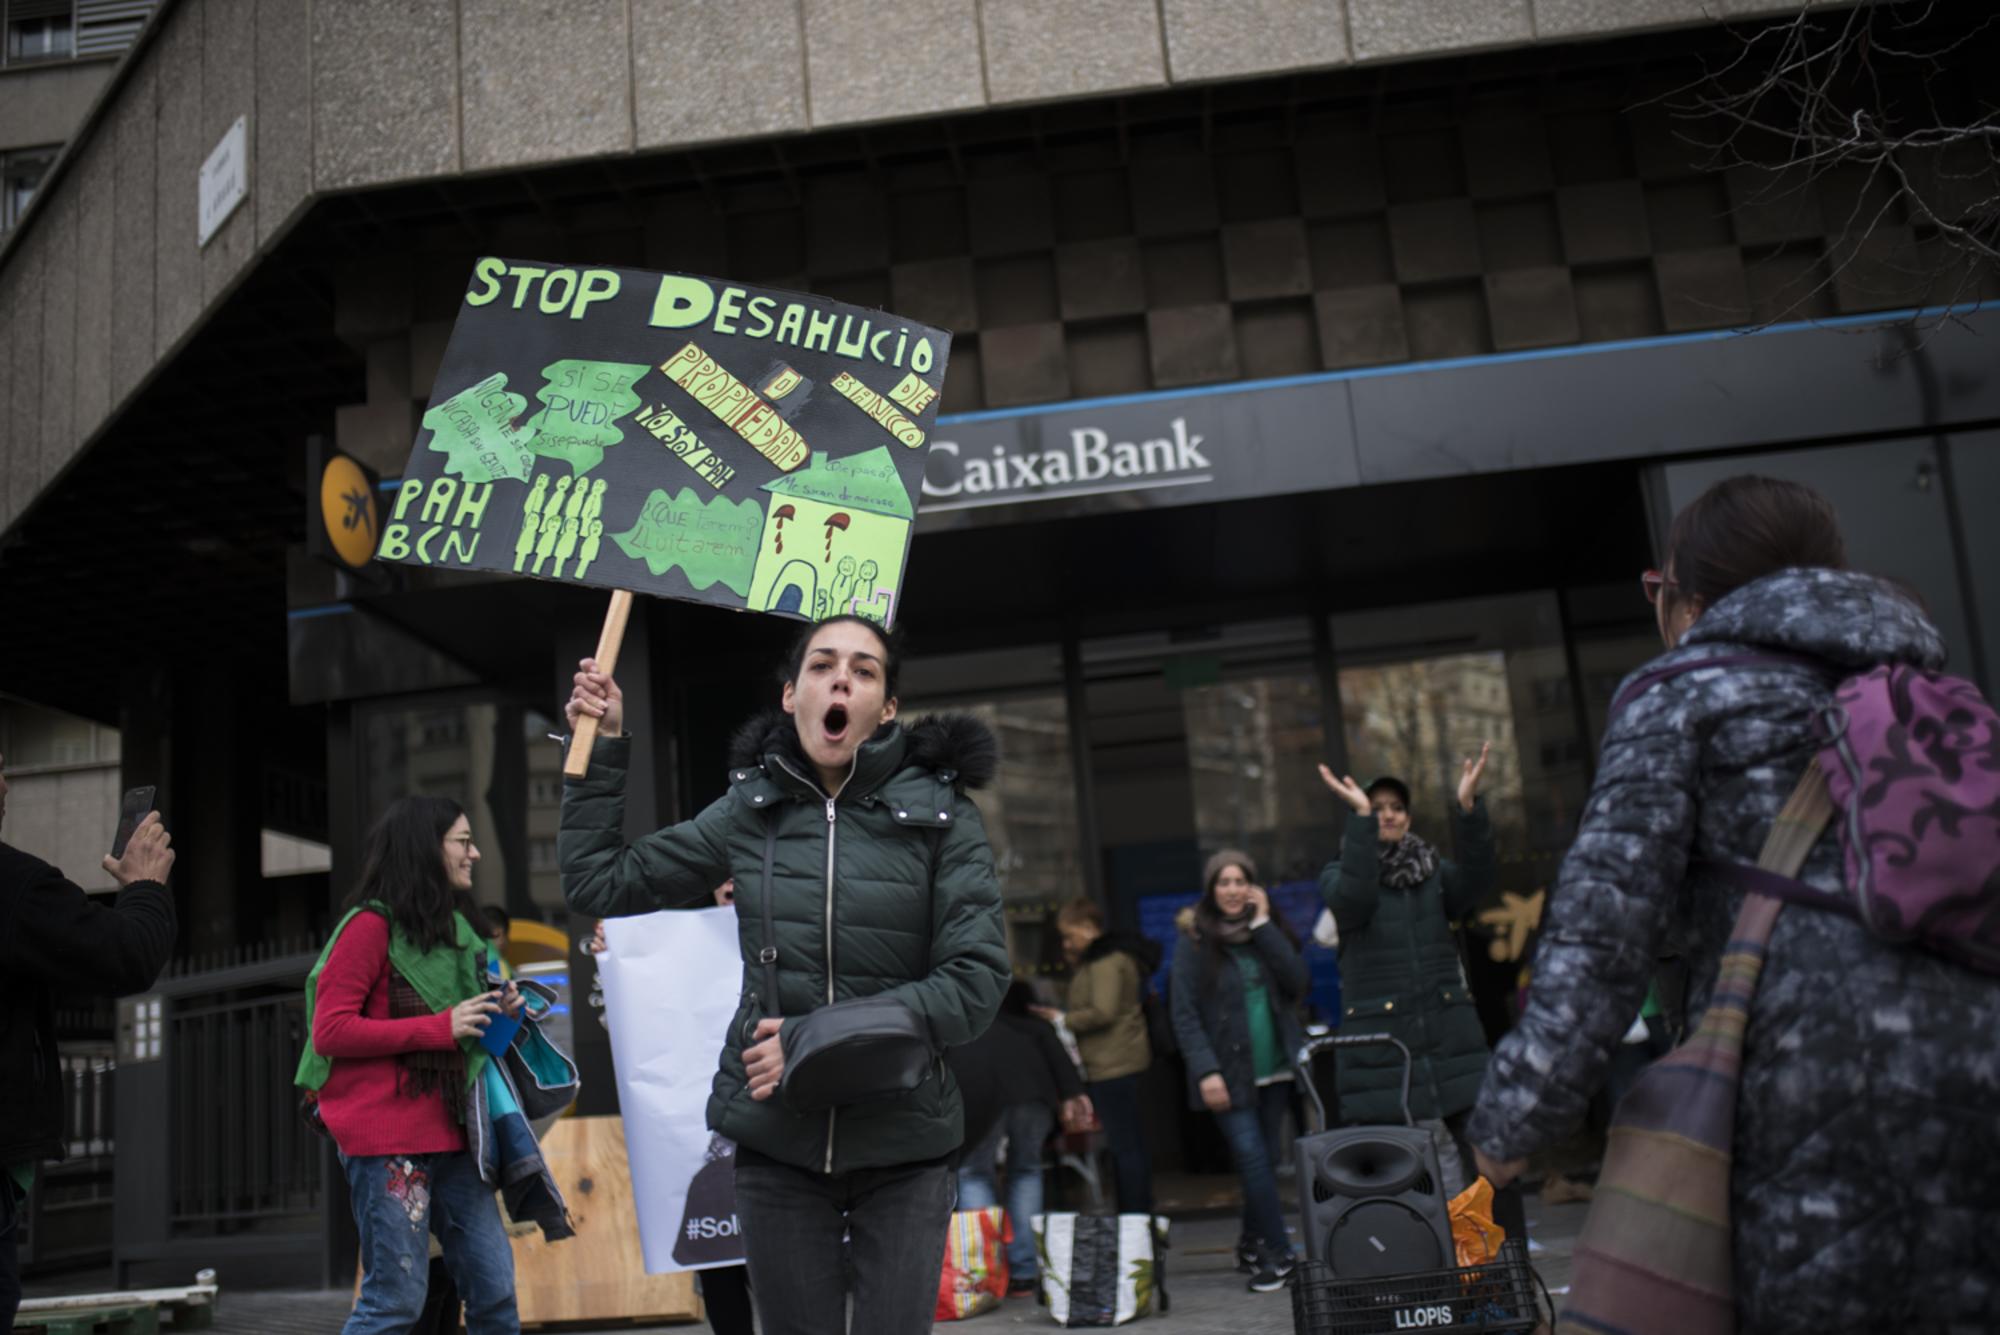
{"type": "Point", "coordinates": [1653, 584]}
{"type": "Point", "coordinates": [462, 840]}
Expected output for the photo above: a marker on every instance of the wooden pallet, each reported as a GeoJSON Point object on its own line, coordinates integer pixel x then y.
{"type": "Point", "coordinates": [599, 1277]}
{"type": "Point", "coordinates": [135, 1312]}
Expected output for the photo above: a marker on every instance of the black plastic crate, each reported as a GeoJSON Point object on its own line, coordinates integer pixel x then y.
{"type": "Point", "coordinates": [1495, 1297]}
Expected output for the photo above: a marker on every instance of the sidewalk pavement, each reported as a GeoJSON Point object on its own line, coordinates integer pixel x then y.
{"type": "Point", "coordinates": [1209, 1297]}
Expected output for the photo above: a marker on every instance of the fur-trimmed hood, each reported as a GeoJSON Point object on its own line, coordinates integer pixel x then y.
{"type": "Point", "coordinates": [958, 744]}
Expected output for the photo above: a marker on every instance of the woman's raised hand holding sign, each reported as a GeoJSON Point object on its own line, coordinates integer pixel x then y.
{"type": "Point", "coordinates": [596, 696]}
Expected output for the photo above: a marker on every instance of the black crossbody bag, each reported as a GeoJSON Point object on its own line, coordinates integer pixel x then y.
{"type": "Point", "coordinates": [862, 1050]}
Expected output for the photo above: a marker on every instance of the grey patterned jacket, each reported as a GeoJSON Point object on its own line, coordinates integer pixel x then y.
{"type": "Point", "coordinates": [1866, 1186]}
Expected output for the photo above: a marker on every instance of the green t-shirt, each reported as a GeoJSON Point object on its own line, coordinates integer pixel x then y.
{"type": "Point", "coordinates": [1265, 1055]}
{"type": "Point", "coordinates": [23, 1174]}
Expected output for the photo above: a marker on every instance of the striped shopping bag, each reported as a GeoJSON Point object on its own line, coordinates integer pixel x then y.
{"type": "Point", "coordinates": [975, 1263]}
{"type": "Point", "coordinates": [1654, 1255]}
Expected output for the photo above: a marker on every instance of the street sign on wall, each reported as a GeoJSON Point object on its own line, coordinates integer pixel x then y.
{"type": "Point", "coordinates": [225, 179]}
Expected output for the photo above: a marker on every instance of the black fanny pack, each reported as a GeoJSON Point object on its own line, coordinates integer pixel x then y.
{"type": "Point", "coordinates": [864, 1050]}
{"type": "Point", "coordinates": [859, 1051]}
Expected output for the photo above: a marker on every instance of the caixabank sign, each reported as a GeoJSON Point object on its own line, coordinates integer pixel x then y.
{"type": "Point", "coordinates": [1142, 452]}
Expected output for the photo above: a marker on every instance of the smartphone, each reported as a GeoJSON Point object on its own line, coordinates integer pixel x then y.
{"type": "Point", "coordinates": [138, 801]}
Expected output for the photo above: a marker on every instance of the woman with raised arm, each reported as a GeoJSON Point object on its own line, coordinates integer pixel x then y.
{"type": "Point", "coordinates": [1395, 897]}
{"type": "Point", "coordinates": [862, 871]}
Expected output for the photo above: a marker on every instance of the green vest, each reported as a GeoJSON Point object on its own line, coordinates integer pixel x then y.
{"type": "Point", "coordinates": [442, 977]}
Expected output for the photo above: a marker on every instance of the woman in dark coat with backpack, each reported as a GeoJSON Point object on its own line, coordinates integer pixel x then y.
{"type": "Point", "coordinates": [1865, 1184]}
{"type": "Point", "coordinates": [1237, 983]}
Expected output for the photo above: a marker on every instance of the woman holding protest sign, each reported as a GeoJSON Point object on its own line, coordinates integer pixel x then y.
{"type": "Point", "coordinates": [868, 910]}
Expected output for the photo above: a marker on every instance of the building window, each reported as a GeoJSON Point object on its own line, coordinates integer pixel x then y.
{"type": "Point", "coordinates": [20, 175]}
{"type": "Point", "coordinates": [40, 30]}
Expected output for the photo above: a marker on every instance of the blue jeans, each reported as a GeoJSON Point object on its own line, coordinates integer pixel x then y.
{"type": "Point", "coordinates": [1117, 1105]}
{"type": "Point", "coordinates": [1252, 1134]}
{"type": "Point", "coordinates": [1026, 1127]}
{"type": "Point", "coordinates": [807, 1235]}
{"type": "Point", "coordinates": [399, 1201]}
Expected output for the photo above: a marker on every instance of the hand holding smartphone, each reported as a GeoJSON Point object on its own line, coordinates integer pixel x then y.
{"type": "Point", "coordinates": [141, 850]}
{"type": "Point", "coordinates": [138, 801]}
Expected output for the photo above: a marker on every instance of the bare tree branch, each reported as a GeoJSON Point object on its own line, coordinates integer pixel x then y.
{"type": "Point", "coordinates": [1892, 94]}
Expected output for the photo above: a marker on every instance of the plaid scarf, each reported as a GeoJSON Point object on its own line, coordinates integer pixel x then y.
{"type": "Point", "coordinates": [419, 1074]}
{"type": "Point", "coordinates": [1406, 862]}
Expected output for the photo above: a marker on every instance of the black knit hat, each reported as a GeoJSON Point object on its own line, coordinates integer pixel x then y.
{"type": "Point", "coordinates": [1394, 785]}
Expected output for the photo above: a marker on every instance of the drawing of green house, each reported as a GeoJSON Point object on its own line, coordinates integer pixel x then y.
{"type": "Point", "coordinates": [835, 535]}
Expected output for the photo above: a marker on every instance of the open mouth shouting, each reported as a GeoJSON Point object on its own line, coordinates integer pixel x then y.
{"type": "Point", "coordinates": [833, 727]}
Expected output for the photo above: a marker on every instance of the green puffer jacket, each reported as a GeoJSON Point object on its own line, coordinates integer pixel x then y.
{"type": "Point", "coordinates": [1400, 974]}
{"type": "Point", "coordinates": [854, 883]}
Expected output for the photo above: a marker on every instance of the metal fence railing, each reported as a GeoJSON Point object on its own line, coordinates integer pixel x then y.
{"type": "Point", "coordinates": [69, 1212]}
{"type": "Point", "coordinates": [87, 1075]}
{"type": "Point", "coordinates": [240, 1152]}
{"type": "Point", "coordinates": [201, 1160]}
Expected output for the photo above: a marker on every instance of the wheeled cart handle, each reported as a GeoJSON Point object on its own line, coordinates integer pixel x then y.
{"type": "Point", "coordinates": [1312, 1046]}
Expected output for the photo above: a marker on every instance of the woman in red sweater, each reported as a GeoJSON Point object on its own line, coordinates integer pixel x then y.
{"type": "Point", "coordinates": [399, 1002]}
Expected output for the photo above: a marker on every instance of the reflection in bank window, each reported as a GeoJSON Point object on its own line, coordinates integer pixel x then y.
{"type": "Point", "coordinates": [1419, 720]}
{"type": "Point", "coordinates": [1030, 814]}
{"type": "Point", "coordinates": [543, 813]}
{"type": "Point", "coordinates": [477, 754]}
{"type": "Point", "coordinates": [1254, 745]}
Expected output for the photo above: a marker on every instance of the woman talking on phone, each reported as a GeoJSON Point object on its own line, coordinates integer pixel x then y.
{"type": "Point", "coordinates": [395, 1009]}
{"type": "Point", "coordinates": [1237, 982]}
{"type": "Point", "coordinates": [862, 875]}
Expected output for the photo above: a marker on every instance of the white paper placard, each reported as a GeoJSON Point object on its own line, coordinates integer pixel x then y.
{"type": "Point", "coordinates": [670, 990]}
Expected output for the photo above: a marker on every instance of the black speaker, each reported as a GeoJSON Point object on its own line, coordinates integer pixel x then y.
{"type": "Point", "coordinates": [1372, 1203]}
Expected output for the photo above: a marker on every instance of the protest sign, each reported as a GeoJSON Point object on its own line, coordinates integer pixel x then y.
{"type": "Point", "coordinates": [670, 991]}
{"type": "Point", "coordinates": [674, 435]}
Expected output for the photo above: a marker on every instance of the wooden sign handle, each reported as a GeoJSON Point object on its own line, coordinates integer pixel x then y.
{"type": "Point", "coordinates": [577, 762]}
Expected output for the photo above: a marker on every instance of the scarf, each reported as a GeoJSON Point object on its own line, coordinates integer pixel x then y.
{"type": "Point", "coordinates": [426, 1073]}
{"type": "Point", "coordinates": [432, 981]}
{"type": "Point", "coordinates": [1407, 862]}
{"type": "Point", "coordinates": [1230, 931]}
